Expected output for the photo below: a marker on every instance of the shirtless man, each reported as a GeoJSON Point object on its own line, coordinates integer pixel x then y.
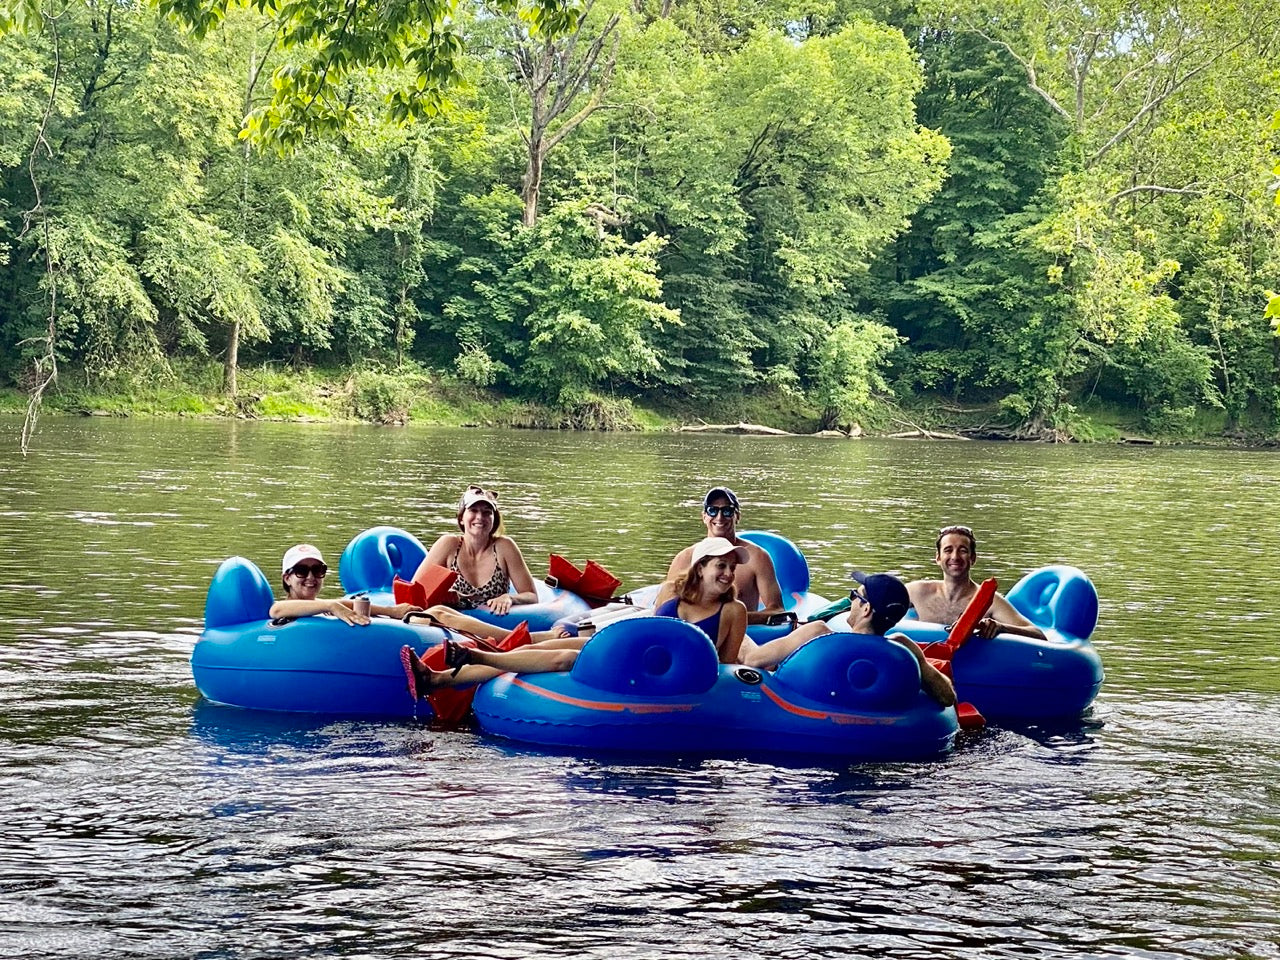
{"type": "Point", "coordinates": [943, 601]}
{"type": "Point", "coordinates": [755, 580]}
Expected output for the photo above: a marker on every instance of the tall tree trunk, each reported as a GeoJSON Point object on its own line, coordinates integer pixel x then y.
{"type": "Point", "coordinates": [233, 356]}
{"type": "Point", "coordinates": [256, 63]}
{"type": "Point", "coordinates": [531, 186]}
{"type": "Point", "coordinates": [554, 73]}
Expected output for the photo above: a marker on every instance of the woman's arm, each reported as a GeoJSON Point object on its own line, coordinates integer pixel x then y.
{"type": "Point", "coordinates": [733, 627]}
{"type": "Point", "coordinates": [341, 609]}
{"type": "Point", "coordinates": [442, 550]}
{"type": "Point", "coordinates": [517, 570]}
{"type": "Point", "coordinates": [398, 611]}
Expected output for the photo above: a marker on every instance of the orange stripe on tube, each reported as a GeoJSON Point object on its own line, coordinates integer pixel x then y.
{"type": "Point", "coordinates": [603, 705]}
{"type": "Point", "coordinates": [824, 714]}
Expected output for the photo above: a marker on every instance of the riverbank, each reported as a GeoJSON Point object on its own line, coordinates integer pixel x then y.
{"type": "Point", "coordinates": [415, 395]}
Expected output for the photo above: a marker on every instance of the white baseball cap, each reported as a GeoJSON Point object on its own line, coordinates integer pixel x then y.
{"type": "Point", "coordinates": [302, 551]}
{"type": "Point", "coordinates": [717, 547]}
{"type": "Point", "coordinates": [477, 494]}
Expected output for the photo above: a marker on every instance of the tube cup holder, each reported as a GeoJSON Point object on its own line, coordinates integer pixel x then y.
{"type": "Point", "coordinates": [747, 675]}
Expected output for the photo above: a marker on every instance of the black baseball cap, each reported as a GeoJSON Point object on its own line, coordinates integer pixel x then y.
{"type": "Point", "coordinates": [888, 598]}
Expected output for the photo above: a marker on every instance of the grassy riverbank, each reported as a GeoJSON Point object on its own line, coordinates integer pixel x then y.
{"type": "Point", "coordinates": [417, 395]}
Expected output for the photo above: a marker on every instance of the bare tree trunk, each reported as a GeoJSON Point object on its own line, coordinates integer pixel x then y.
{"type": "Point", "coordinates": [531, 185]}
{"type": "Point", "coordinates": [553, 78]}
{"type": "Point", "coordinates": [233, 356]}
{"type": "Point", "coordinates": [229, 385]}
{"type": "Point", "coordinates": [44, 368]}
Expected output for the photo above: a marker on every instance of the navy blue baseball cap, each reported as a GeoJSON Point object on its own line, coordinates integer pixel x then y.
{"type": "Point", "coordinates": [888, 598]}
{"type": "Point", "coordinates": [725, 492]}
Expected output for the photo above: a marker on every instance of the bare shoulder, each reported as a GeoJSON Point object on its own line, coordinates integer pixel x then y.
{"type": "Point", "coordinates": [506, 545]}
{"type": "Point", "coordinates": [923, 589]}
{"type": "Point", "coordinates": [445, 545]}
{"type": "Point", "coordinates": [760, 558]}
{"type": "Point", "coordinates": [679, 563]}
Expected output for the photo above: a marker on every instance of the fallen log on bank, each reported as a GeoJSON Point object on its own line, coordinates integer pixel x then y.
{"type": "Point", "coordinates": [752, 428]}
{"type": "Point", "coordinates": [923, 434]}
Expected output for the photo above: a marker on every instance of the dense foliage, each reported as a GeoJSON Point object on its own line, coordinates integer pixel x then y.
{"type": "Point", "coordinates": [1017, 204]}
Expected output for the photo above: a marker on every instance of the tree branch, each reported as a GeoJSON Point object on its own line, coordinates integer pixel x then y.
{"type": "Point", "coordinates": [44, 368]}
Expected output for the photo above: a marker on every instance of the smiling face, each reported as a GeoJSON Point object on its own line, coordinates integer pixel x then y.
{"type": "Point", "coordinates": [716, 574]}
{"type": "Point", "coordinates": [720, 517]}
{"type": "Point", "coordinates": [956, 556]}
{"type": "Point", "coordinates": [304, 580]}
{"type": "Point", "coordinates": [478, 520]}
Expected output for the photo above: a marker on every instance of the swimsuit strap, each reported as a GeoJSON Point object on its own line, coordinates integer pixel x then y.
{"type": "Point", "coordinates": [469, 595]}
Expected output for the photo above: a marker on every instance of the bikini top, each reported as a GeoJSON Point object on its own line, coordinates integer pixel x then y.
{"type": "Point", "coordinates": [470, 595]}
{"type": "Point", "coordinates": [710, 625]}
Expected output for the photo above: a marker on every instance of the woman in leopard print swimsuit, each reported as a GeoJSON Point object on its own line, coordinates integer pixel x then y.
{"type": "Point", "coordinates": [488, 563]}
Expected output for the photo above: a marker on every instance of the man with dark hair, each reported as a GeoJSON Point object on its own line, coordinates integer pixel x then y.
{"type": "Point", "coordinates": [943, 601]}
{"type": "Point", "coordinates": [755, 580]}
{"type": "Point", "coordinates": [877, 604]}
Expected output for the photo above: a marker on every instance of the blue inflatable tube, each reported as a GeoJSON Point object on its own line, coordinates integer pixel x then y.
{"type": "Point", "coordinates": [307, 665]}
{"type": "Point", "coordinates": [653, 685]}
{"type": "Point", "coordinates": [374, 558]}
{"type": "Point", "coordinates": [1022, 680]}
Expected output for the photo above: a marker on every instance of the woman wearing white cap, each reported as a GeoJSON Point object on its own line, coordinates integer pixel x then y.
{"type": "Point", "coordinates": [704, 595]}
{"type": "Point", "coordinates": [488, 563]}
{"type": "Point", "coordinates": [303, 571]}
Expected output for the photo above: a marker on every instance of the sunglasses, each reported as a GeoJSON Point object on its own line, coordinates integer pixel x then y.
{"type": "Point", "coordinates": [859, 596]}
{"type": "Point", "coordinates": [965, 531]}
{"type": "Point", "coordinates": [726, 511]}
{"type": "Point", "coordinates": [303, 570]}
{"type": "Point", "coordinates": [476, 488]}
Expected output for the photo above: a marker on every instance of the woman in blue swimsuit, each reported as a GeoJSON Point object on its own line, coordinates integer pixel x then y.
{"type": "Point", "coordinates": [488, 564]}
{"type": "Point", "coordinates": [703, 596]}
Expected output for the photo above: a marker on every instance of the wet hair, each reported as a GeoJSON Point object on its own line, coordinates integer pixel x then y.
{"type": "Point", "coordinates": [956, 528]}
{"type": "Point", "coordinates": [688, 584]}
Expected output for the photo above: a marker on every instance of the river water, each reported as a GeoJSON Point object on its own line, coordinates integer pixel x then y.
{"type": "Point", "coordinates": [140, 822]}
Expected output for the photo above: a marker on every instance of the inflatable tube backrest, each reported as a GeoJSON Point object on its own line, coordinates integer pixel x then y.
{"type": "Point", "coordinates": [1060, 597]}
{"type": "Point", "coordinates": [648, 656]}
{"type": "Point", "coordinates": [374, 558]}
{"type": "Point", "coordinates": [239, 593]}
{"type": "Point", "coordinates": [788, 563]}
{"type": "Point", "coordinates": [857, 671]}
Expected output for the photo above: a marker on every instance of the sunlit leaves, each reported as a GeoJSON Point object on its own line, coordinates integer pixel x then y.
{"type": "Point", "coordinates": [330, 44]}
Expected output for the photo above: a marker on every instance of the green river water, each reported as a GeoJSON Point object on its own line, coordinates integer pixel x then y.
{"type": "Point", "coordinates": [143, 823]}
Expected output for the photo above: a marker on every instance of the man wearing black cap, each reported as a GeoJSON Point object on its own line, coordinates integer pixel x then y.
{"type": "Point", "coordinates": [755, 581]}
{"type": "Point", "coordinates": [880, 601]}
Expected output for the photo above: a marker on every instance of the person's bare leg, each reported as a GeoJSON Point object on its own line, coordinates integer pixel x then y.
{"type": "Point", "coordinates": [524, 660]}
{"type": "Point", "coordinates": [549, 642]}
{"type": "Point", "coordinates": [461, 622]}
